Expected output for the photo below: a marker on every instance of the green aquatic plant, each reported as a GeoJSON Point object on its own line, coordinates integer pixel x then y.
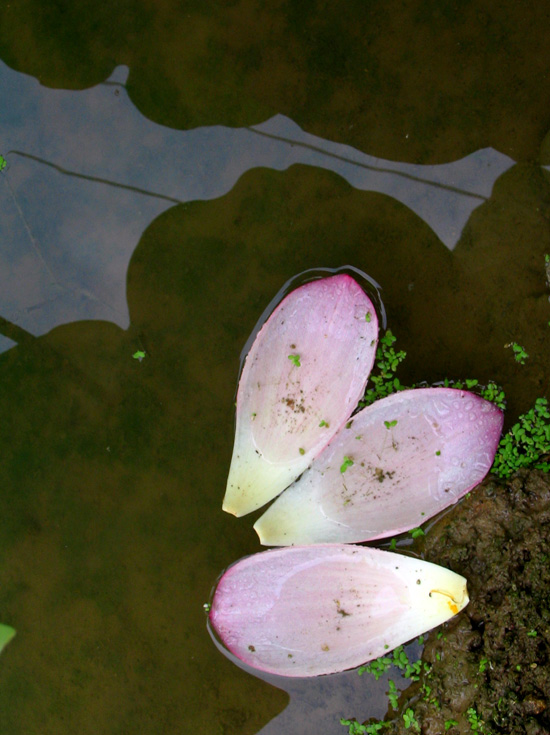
{"type": "Point", "coordinates": [520, 355]}
{"type": "Point", "coordinates": [410, 720]}
{"type": "Point", "coordinates": [526, 443]}
{"type": "Point", "coordinates": [377, 668]}
{"type": "Point", "coordinates": [492, 392]}
{"type": "Point", "coordinates": [348, 462]}
{"type": "Point", "coordinates": [476, 723]}
{"type": "Point", "coordinates": [3, 163]}
{"type": "Point", "coordinates": [355, 728]}
{"type": "Point", "coordinates": [409, 670]}
{"type": "Point", "coordinates": [6, 634]}
{"type": "Point", "coordinates": [383, 380]}
{"type": "Point", "coordinates": [393, 694]}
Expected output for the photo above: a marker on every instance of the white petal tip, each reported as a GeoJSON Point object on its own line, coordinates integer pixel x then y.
{"type": "Point", "coordinates": [298, 385]}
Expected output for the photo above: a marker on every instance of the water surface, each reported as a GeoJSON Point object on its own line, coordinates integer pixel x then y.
{"type": "Point", "coordinates": [176, 165]}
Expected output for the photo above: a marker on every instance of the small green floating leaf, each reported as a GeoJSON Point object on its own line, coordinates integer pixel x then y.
{"type": "Point", "coordinates": [520, 354]}
{"type": "Point", "coordinates": [6, 634]}
{"type": "Point", "coordinates": [526, 442]}
{"type": "Point", "coordinates": [295, 360]}
{"type": "Point", "coordinates": [476, 723]}
{"type": "Point", "coordinates": [390, 424]}
{"type": "Point", "coordinates": [393, 694]}
{"type": "Point", "coordinates": [367, 316]}
{"type": "Point", "coordinates": [3, 163]}
{"type": "Point", "coordinates": [324, 423]}
{"type": "Point", "coordinates": [410, 720]}
{"type": "Point", "coordinates": [416, 532]}
{"type": "Point", "coordinates": [302, 450]}
{"type": "Point", "coordinates": [495, 394]}
{"type": "Point", "coordinates": [348, 462]}
{"type": "Point", "coordinates": [139, 355]}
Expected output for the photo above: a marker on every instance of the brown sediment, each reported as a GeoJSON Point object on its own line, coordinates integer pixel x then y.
{"type": "Point", "coordinates": [494, 656]}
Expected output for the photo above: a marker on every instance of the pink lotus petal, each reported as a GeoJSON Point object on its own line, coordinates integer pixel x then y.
{"type": "Point", "coordinates": [413, 453]}
{"type": "Point", "coordinates": [312, 610]}
{"type": "Point", "coordinates": [302, 378]}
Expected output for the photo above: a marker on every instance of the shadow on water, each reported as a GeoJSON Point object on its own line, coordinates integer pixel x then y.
{"type": "Point", "coordinates": [71, 155]}
{"type": "Point", "coordinates": [113, 469]}
{"type": "Point", "coordinates": [426, 81]}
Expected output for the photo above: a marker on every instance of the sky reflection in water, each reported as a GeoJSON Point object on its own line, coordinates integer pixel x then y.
{"type": "Point", "coordinates": [87, 173]}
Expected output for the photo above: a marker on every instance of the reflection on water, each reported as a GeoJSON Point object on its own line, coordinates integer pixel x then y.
{"type": "Point", "coordinates": [87, 173]}
{"type": "Point", "coordinates": [444, 196]}
{"type": "Point", "coordinates": [113, 470]}
{"type": "Point", "coordinates": [315, 702]}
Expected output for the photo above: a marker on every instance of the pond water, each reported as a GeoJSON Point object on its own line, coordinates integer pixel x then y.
{"type": "Point", "coordinates": [170, 165]}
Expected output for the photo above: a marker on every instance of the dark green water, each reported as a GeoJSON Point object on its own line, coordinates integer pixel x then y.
{"type": "Point", "coordinates": [113, 470]}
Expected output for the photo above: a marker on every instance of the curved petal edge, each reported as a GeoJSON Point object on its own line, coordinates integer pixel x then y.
{"type": "Point", "coordinates": [402, 460]}
{"type": "Point", "coordinates": [303, 377]}
{"type": "Point", "coordinates": [306, 611]}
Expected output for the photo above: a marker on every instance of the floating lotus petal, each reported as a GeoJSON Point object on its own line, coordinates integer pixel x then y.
{"type": "Point", "coordinates": [302, 378]}
{"type": "Point", "coordinates": [402, 460]}
{"type": "Point", "coordinates": [312, 610]}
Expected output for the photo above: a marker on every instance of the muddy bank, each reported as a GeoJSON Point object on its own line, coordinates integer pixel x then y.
{"type": "Point", "coordinates": [491, 665]}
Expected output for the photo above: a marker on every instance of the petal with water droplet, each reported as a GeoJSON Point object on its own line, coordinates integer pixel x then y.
{"type": "Point", "coordinates": [403, 459]}
{"type": "Point", "coordinates": [305, 611]}
{"type": "Point", "coordinates": [302, 378]}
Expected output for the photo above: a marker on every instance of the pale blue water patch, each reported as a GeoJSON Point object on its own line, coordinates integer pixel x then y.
{"type": "Point", "coordinates": [6, 343]}
{"type": "Point", "coordinates": [318, 703]}
{"type": "Point", "coordinates": [444, 195]}
{"type": "Point", "coordinates": [87, 173]}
